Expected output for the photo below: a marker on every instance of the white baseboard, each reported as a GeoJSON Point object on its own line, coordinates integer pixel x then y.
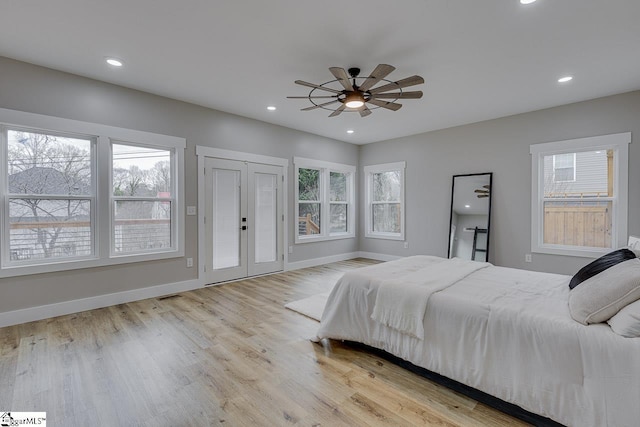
{"type": "Point", "coordinates": [31, 314]}
{"type": "Point", "coordinates": [379, 257]}
{"type": "Point", "coordinates": [319, 261]}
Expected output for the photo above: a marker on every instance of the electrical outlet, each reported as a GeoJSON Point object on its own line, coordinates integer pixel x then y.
{"type": "Point", "coordinates": [527, 257]}
{"type": "Point", "coordinates": [191, 210]}
{"type": "Point", "coordinates": [189, 262]}
{"type": "Point", "coordinates": [406, 245]}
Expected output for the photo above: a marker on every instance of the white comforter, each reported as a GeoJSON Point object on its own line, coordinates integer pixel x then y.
{"type": "Point", "coordinates": [506, 332]}
{"type": "Point", "coordinates": [401, 303]}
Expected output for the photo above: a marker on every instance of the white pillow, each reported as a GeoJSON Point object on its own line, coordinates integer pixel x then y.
{"type": "Point", "coordinates": [600, 297]}
{"type": "Point", "coordinates": [627, 321]}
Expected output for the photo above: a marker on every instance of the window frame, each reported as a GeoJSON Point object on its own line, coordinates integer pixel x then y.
{"type": "Point", "coordinates": [114, 199]}
{"type": "Point", "coordinates": [5, 249]}
{"type": "Point", "coordinates": [102, 190]}
{"type": "Point", "coordinates": [347, 202]}
{"type": "Point", "coordinates": [325, 169]}
{"type": "Point", "coordinates": [369, 171]}
{"type": "Point", "coordinates": [619, 143]}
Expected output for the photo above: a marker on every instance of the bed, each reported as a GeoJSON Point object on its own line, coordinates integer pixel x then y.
{"type": "Point", "coordinates": [502, 331]}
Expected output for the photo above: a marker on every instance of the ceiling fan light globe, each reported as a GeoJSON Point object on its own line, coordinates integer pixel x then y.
{"type": "Point", "coordinates": [356, 103]}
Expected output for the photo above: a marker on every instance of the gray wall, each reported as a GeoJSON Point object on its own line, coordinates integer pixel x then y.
{"type": "Point", "coordinates": [39, 90]}
{"type": "Point", "coordinates": [500, 146]}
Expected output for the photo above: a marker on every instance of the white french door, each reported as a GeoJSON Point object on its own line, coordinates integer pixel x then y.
{"type": "Point", "coordinates": [243, 219]}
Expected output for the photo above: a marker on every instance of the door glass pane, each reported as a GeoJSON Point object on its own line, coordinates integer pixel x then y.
{"type": "Point", "coordinates": [265, 218]}
{"type": "Point", "coordinates": [226, 218]}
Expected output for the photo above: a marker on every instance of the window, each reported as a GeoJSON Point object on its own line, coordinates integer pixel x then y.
{"type": "Point", "coordinates": [338, 202]}
{"type": "Point", "coordinates": [324, 200]}
{"type": "Point", "coordinates": [142, 199]}
{"type": "Point", "coordinates": [57, 215]}
{"type": "Point", "coordinates": [579, 195]}
{"type": "Point", "coordinates": [309, 203]}
{"type": "Point", "coordinates": [564, 167]}
{"type": "Point", "coordinates": [385, 201]}
{"type": "Point", "coordinates": [50, 197]}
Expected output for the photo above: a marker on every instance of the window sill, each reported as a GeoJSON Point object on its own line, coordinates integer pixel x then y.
{"type": "Point", "coordinates": [68, 265]}
{"type": "Point", "coordinates": [571, 251]}
{"type": "Point", "coordinates": [385, 236]}
{"type": "Point", "coordinates": [302, 240]}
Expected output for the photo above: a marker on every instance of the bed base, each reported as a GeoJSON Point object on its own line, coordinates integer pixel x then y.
{"type": "Point", "coordinates": [487, 399]}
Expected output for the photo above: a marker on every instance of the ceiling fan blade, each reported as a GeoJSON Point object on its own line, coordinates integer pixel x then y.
{"type": "Point", "coordinates": [385, 104]}
{"type": "Point", "coordinates": [338, 110]}
{"type": "Point", "coordinates": [312, 97]}
{"type": "Point", "coordinates": [364, 112]}
{"type": "Point", "coordinates": [409, 81]}
{"type": "Point", "coordinates": [482, 196]}
{"type": "Point", "coordinates": [328, 89]}
{"type": "Point", "coordinates": [487, 186]}
{"type": "Point", "coordinates": [380, 72]}
{"type": "Point", "coordinates": [481, 191]}
{"type": "Point", "coordinates": [398, 95]}
{"type": "Point", "coordinates": [313, 107]}
{"type": "Point", "coordinates": [342, 76]}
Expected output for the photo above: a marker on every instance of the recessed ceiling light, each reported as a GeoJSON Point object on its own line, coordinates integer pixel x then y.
{"type": "Point", "coordinates": [467, 206]}
{"type": "Point", "coordinates": [565, 79]}
{"type": "Point", "coordinates": [271, 108]}
{"type": "Point", "coordinates": [114, 62]}
{"type": "Point", "coordinates": [527, 1]}
{"type": "Point", "coordinates": [350, 131]}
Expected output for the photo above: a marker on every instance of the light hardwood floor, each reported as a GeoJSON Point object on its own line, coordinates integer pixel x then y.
{"type": "Point", "coordinates": [227, 355]}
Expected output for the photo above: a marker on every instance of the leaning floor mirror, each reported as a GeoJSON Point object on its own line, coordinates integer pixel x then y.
{"type": "Point", "coordinates": [470, 219]}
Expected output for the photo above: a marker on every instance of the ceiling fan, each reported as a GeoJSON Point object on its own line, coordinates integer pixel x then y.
{"type": "Point", "coordinates": [354, 93]}
{"type": "Point", "coordinates": [485, 191]}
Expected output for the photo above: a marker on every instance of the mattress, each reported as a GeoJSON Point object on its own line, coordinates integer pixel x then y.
{"type": "Point", "coordinates": [506, 332]}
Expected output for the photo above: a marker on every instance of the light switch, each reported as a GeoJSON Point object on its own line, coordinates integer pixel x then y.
{"type": "Point", "coordinates": [191, 210]}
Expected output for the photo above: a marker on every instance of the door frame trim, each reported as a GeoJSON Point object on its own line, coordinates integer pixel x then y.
{"type": "Point", "coordinates": [202, 152]}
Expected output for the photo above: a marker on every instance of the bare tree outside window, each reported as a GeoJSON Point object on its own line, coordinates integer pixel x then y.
{"type": "Point", "coordinates": [338, 202]}
{"type": "Point", "coordinates": [50, 196]}
{"type": "Point", "coordinates": [142, 187]}
{"type": "Point", "coordinates": [386, 204]}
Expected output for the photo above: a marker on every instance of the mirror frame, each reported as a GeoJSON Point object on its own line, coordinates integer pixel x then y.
{"type": "Point", "coordinates": [453, 187]}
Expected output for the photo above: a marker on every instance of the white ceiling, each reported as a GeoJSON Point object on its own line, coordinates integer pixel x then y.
{"type": "Point", "coordinates": [481, 59]}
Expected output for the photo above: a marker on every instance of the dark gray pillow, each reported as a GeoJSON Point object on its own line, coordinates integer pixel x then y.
{"type": "Point", "coordinates": [600, 265]}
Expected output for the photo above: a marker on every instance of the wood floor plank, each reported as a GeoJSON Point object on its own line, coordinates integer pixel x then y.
{"type": "Point", "coordinates": [224, 355]}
